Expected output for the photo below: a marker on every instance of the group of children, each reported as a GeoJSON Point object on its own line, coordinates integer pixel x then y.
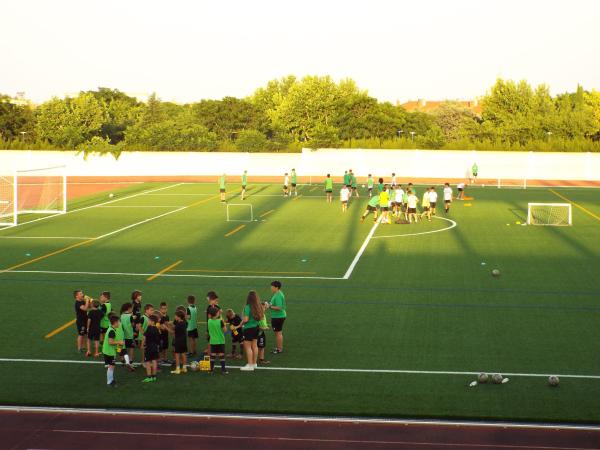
{"type": "Point", "coordinates": [396, 201]}
{"type": "Point", "coordinates": [116, 336]}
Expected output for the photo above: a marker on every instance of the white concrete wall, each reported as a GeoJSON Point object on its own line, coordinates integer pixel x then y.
{"type": "Point", "coordinates": [405, 163]}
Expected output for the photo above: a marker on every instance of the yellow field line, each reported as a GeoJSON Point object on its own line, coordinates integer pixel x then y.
{"type": "Point", "coordinates": [48, 255]}
{"type": "Point", "coordinates": [314, 188]}
{"type": "Point", "coordinates": [266, 213]}
{"type": "Point", "coordinates": [585, 210]}
{"type": "Point", "coordinates": [297, 197]}
{"type": "Point", "coordinates": [165, 270]}
{"type": "Point", "coordinates": [240, 271]}
{"type": "Point", "coordinates": [59, 329]}
{"type": "Point", "coordinates": [235, 230]}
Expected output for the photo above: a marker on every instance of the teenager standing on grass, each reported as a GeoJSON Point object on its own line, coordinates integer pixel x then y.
{"type": "Point", "coordinates": [109, 350]}
{"type": "Point", "coordinates": [222, 187]}
{"type": "Point", "coordinates": [244, 184]}
{"type": "Point", "coordinates": [329, 188]}
{"type": "Point", "coordinates": [294, 183]}
{"type": "Point", "coordinates": [278, 309]}
{"type": "Point", "coordinates": [253, 313]}
{"type": "Point", "coordinates": [81, 307]}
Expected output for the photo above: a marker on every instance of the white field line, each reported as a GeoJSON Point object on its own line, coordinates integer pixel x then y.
{"type": "Point", "coordinates": [337, 370]}
{"type": "Point", "coordinates": [93, 206]}
{"type": "Point", "coordinates": [126, 274]}
{"type": "Point", "coordinates": [248, 195]}
{"type": "Point", "coordinates": [361, 251]}
{"type": "Point", "coordinates": [297, 418]}
{"type": "Point", "coordinates": [140, 206]}
{"type": "Point", "coordinates": [81, 238]}
{"type": "Point", "coordinates": [140, 223]}
{"type": "Point", "coordinates": [452, 222]}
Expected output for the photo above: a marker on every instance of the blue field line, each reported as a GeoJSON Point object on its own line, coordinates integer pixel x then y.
{"type": "Point", "coordinates": [350, 302]}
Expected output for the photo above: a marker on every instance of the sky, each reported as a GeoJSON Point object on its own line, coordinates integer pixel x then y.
{"type": "Point", "coordinates": [187, 50]}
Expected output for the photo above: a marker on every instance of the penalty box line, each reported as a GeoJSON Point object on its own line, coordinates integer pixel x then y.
{"type": "Point", "coordinates": [93, 206]}
{"type": "Point", "coordinates": [332, 370]}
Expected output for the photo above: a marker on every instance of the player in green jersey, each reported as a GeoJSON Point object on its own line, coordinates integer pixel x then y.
{"type": "Point", "coordinates": [371, 207]}
{"type": "Point", "coordinates": [109, 349]}
{"type": "Point", "coordinates": [294, 183]}
{"type": "Point", "coordinates": [222, 187]}
{"type": "Point", "coordinates": [370, 184]}
{"type": "Point", "coordinates": [244, 184]}
{"type": "Point", "coordinates": [329, 188]}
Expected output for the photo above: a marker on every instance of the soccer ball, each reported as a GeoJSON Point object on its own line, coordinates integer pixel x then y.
{"type": "Point", "coordinates": [483, 378]}
{"type": "Point", "coordinates": [363, 186]}
{"type": "Point", "coordinates": [497, 378]}
{"type": "Point", "coordinates": [495, 273]}
{"type": "Point", "coordinates": [553, 380]}
{"type": "Point", "coordinates": [194, 366]}
{"type": "Point", "coordinates": [111, 195]}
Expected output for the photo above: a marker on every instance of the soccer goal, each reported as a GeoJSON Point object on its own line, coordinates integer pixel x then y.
{"type": "Point", "coordinates": [554, 214]}
{"type": "Point", "coordinates": [32, 191]}
{"type": "Point", "coordinates": [240, 212]}
{"type": "Point", "coordinates": [504, 183]}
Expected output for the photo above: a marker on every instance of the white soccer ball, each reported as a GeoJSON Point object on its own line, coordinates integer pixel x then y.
{"type": "Point", "coordinates": [553, 380]}
{"type": "Point", "coordinates": [363, 186]}
{"type": "Point", "coordinates": [193, 366]}
{"type": "Point", "coordinates": [111, 195]}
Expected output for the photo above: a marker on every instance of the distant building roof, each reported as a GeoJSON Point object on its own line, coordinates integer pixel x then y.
{"type": "Point", "coordinates": [428, 106]}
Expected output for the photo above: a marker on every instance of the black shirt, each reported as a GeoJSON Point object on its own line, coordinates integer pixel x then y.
{"type": "Point", "coordinates": [152, 336]}
{"type": "Point", "coordinates": [164, 333]}
{"type": "Point", "coordinates": [136, 313]}
{"type": "Point", "coordinates": [95, 316]}
{"type": "Point", "coordinates": [180, 331]}
{"type": "Point", "coordinates": [79, 314]}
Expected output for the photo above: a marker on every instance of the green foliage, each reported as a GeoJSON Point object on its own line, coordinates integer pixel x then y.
{"type": "Point", "coordinates": [290, 113]}
{"type": "Point", "coordinates": [251, 141]}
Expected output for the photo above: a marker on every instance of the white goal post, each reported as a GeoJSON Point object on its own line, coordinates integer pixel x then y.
{"type": "Point", "coordinates": [551, 214]}
{"type": "Point", "coordinates": [244, 213]}
{"type": "Point", "coordinates": [504, 183]}
{"type": "Point", "coordinates": [32, 191]}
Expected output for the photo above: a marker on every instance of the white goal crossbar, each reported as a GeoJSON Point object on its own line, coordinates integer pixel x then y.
{"type": "Point", "coordinates": [236, 219]}
{"type": "Point", "coordinates": [32, 191]}
{"type": "Point", "coordinates": [549, 214]}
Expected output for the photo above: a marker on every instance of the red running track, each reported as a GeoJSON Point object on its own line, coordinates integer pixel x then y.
{"type": "Point", "coordinates": [55, 429]}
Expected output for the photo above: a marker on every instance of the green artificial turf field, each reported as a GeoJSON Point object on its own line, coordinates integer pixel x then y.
{"type": "Point", "coordinates": [396, 331]}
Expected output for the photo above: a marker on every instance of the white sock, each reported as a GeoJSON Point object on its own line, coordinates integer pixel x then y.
{"type": "Point", "coordinates": [127, 361]}
{"type": "Point", "coordinates": [110, 375]}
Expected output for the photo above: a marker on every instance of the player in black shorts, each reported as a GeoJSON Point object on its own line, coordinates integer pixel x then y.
{"type": "Point", "coordinates": [163, 326]}
{"type": "Point", "coordinates": [151, 349]}
{"type": "Point", "coordinates": [136, 312]}
{"type": "Point", "coordinates": [234, 321]}
{"type": "Point", "coordinates": [180, 342]}
{"type": "Point", "coordinates": [81, 307]}
{"type": "Point", "coordinates": [93, 328]}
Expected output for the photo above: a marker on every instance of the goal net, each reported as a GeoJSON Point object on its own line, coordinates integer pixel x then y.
{"type": "Point", "coordinates": [504, 183]}
{"type": "Point", "coordinates": [240, 212]}
{"type": "Point", "coordinates": [32, 191]}
{"type": "Point", "coordinates": [555, 214]}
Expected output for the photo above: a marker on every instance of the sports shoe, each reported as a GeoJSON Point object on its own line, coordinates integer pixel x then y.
{"type": "Point", "coordinates": [88, 354]}
{"type": "Point", "coordinates": [112, 384]}
{"type": "Point", "coordinates": [148, 380]}
{"type": "Point", "coordinates": [264, 362]}
{"type": "Point", "coordinates": [276, 351]}
{"type": "Point", "coordinates": [224, 372]}
{"type": "Point", "coordinates": [130, 368]}
{"type": "Point", "coordinates": [184, 369]}
{"type": "Point", "coordinates": [176, 371]}
{"type": "Point", "coordinates": [247, 368]}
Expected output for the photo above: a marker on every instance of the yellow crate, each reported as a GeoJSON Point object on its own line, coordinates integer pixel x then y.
{"type": "Point", "coordinates": [204, 364]}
